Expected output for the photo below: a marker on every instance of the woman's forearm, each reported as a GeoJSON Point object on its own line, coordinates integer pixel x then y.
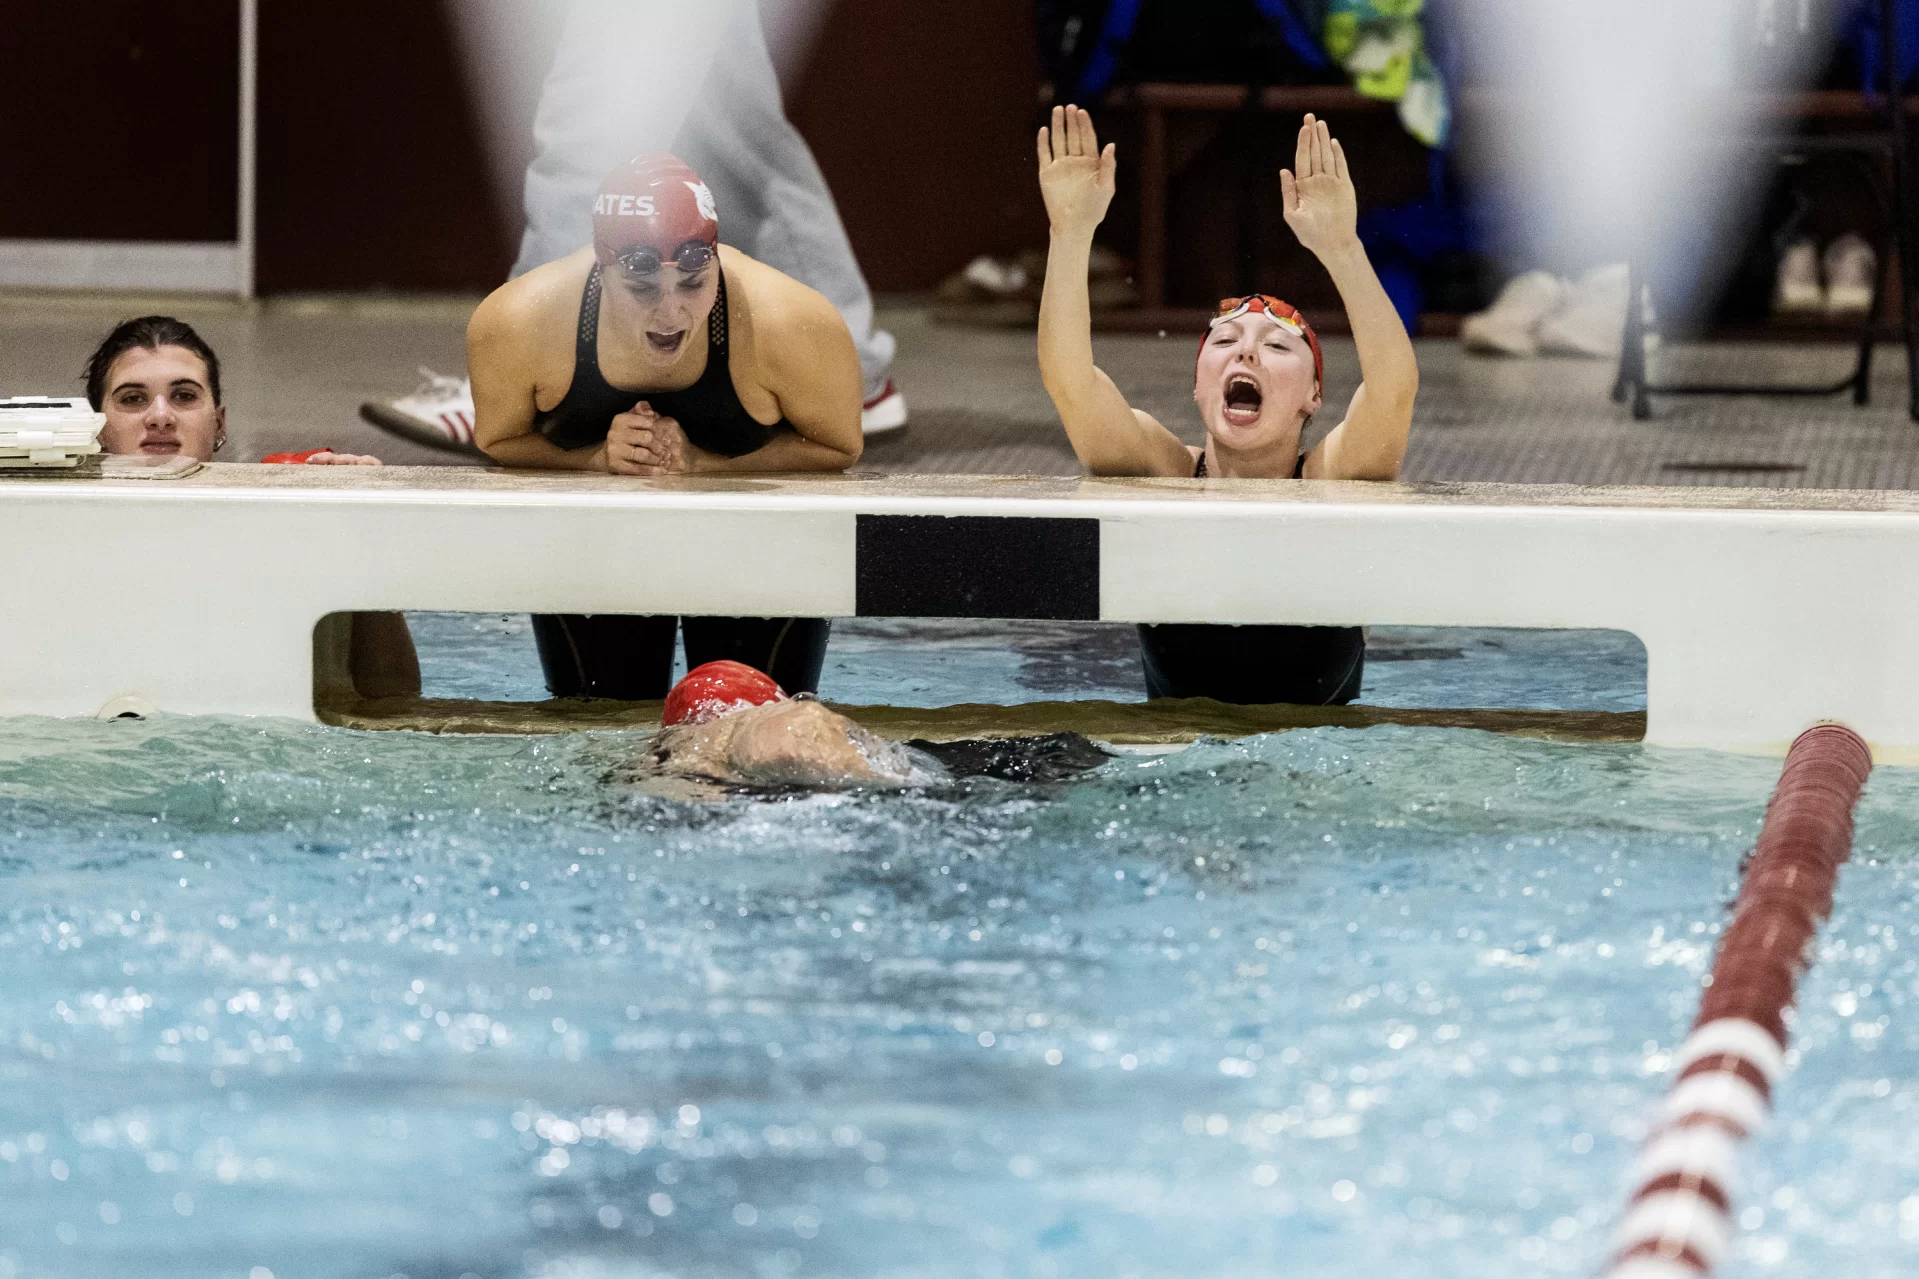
{"type": "Point", "coordinates": [1066, 320]}
{"type": "Point", "coordinates": [535, 452]}
{"type": "Point", "coordinates": [1381, 416]}
{"type": "Point", "coordinates": [786, 451]}
{"type": "Point", "coordinates": [1386, 360]}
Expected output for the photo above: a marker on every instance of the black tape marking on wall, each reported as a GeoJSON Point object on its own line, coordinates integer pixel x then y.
{"type": "Point", "coordinates": [978, 566]}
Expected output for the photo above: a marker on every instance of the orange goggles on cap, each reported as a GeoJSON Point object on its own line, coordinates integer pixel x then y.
{"type": "Point", "coordinates": [1284, 313]}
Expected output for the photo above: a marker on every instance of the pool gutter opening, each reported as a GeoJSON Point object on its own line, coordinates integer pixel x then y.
{"type": "Point", "coordinates": [1679, 1221]}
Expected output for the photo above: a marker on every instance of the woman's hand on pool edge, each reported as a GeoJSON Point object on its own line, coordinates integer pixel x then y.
{"type": "Point", "coordinates": [1321, 206]}
{"type": "Point", "coordinates": [1076, 178]}
{"type": "Point", "coordinates": [641, 442]}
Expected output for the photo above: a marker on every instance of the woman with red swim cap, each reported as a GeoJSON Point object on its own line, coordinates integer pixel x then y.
{"type": "Point", "coordinates": [1258, 381]}
{"type": "Point", "coordinates": [658, 351]}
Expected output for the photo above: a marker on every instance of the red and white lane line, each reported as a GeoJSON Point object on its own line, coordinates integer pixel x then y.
{"type": "Point", "coordinates": [1678, 1223]}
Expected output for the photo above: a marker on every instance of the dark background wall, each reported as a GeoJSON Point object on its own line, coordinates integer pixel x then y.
{"type": "Point", "coordinates": [372, 172]}
{"type": "Point", "coordinates": [922, 115]}
{"type": "Point", "coordinates": [119, 119]}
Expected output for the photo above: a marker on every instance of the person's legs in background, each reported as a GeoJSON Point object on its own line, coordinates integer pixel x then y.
{"type": "Point", "coordinates": [775, 201]}
{"type": "Point", "coordinates": [608, 655]}
{"type": "Point", "coordinates": [792, 650]}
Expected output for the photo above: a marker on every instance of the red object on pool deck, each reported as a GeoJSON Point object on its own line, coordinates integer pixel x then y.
{"type": "Point", "coordinates": [293, 459]}
{"type": "Point", "coordinates": [714, 688]}
{"type": "Point", "coordinates": [1679, 1224]}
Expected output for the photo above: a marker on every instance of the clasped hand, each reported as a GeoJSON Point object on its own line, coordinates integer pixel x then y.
{"type": "Point", "coordinates": [641, 442]}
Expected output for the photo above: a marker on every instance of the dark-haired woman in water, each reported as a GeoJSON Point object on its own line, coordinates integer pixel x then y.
{"type": "Point", "coordinates": [1258, 382]}
{"type": "Point", "coordinates": [158, 383]}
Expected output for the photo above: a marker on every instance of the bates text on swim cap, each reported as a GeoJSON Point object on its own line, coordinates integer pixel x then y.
{"type": "Point", "coordinates": [624, 206]}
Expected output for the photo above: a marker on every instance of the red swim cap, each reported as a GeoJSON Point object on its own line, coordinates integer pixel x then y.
{"type": "Point", "coordinates": [649, 210]}
{"type": "Point", "coordinates": [1284, 312]}
{"type": "Point", "coordinates": [716, 689]}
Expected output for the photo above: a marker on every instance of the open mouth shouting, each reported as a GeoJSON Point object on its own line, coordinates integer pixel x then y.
{"type": "Point", "coordinates": [1243, 400]}
{"type": "Point", "coordinates": [666, 343]}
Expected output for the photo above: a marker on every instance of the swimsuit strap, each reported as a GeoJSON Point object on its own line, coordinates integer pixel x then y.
{"type": "Point", "coordinates": [586, 344]}
{"type": "Point", "coordinates": [716, 326]}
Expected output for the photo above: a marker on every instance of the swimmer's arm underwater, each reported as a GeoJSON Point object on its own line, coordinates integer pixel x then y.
{"type": "Point", "coordinates": [1109, 436]}
{"type": "Point", "coordinates": [1323, 211]}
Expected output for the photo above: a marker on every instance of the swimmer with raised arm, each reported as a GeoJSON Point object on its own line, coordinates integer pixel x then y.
{"type": "Point", "coordinates": [1258, 382]}
{"type": "Point", "coordinates": [658, 351]}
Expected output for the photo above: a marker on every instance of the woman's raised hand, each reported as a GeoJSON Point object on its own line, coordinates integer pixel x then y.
{"type": "Point", "coordinates": [1075, 176]}
{"type": "Point", "coordinates": [1321, 206]}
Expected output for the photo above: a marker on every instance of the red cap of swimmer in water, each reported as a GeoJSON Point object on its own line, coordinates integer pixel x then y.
{"type": "Point", "coordinates": [718, 688]}
{"type": "Point", "coordinates": [1266, 304]}
{"type": "Point", "coordinates": [652, 210]}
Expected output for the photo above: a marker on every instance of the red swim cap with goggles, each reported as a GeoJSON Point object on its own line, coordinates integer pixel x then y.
{"type": "Point", "coordinates": [653, 210]}
{"type": "Point", "coordinates": [718, 688]}
{"type": "Point", "coordinates": [1284, 313]}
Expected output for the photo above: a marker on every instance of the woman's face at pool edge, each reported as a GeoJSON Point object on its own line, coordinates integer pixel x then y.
{"type": "Point", "coordinates": [1254, 383]}
{"type": "Point", "coordinates": [667, 305]}
{"type": "Point", "coordinates": [159, 402]}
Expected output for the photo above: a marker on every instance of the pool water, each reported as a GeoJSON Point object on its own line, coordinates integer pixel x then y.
{"type": "Point", "coordinates": [939, 662]}
{"type": "Point", "coordinates": [292, 1001]}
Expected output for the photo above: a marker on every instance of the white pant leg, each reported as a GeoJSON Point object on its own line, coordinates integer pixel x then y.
{"type": "Point", "coordinates": [596, 110]}
{"type": "Point", "coordinates": [740, 140]}
{"type": "Point", "coordinates": [623, 81]}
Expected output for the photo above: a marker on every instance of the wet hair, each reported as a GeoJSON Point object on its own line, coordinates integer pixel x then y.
{"type": "Point", "coordinates": [147, 333]}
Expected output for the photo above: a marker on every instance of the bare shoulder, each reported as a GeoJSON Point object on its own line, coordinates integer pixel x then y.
{"type": "Point", "coordinates": [774, 305]}
{"type": "Point", "coordinates": [532, 303]}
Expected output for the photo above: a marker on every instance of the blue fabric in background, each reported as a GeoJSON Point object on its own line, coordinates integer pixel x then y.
{"type": "Point", "coordinates": [1405, 240]}
{"type": "Point", "coordinates": [1109, 48]}
{"type": "Point", "coordinates": [1860, 34]}
{"type": "Point", "coordinates": [1106, 62]}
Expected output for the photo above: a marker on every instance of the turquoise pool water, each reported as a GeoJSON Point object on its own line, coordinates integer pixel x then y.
{"type": "Point", "coordinates": [294, 1001]}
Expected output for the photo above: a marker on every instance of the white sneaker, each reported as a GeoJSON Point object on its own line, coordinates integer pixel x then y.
{"type": "Point", "coordinates": [1592, 323]}
{"type": "Point", "coordinates": [1511, 324]}
{"type": "Point", "coordinates": [1795, 290]}
{"type": "Point", "coordinates": [439, 414]}
{"type": "Point", "coordinates": [1001, 279]}
{"type": "Point", "coordinates": [1852, 275]}
{"type": "Point", "coordinates": [885, 412]}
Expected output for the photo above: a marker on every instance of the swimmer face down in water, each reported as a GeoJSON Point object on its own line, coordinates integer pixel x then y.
{"type": "Point", "coordinates": [728, 723]}
{"type": "Point", "coordinates": [1258, 378]}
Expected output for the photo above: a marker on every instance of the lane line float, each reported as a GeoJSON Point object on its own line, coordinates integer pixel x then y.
{"type": "Point", "coordinates": [1678, 1222]}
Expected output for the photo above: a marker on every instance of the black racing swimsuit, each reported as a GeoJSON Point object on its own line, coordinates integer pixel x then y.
{"type": "Point", "coordinates": [709, 411]}
{"type": "Point", "coordinates": [631, 658]}
{"type": "Point", "coordinates": [1254, 665]}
